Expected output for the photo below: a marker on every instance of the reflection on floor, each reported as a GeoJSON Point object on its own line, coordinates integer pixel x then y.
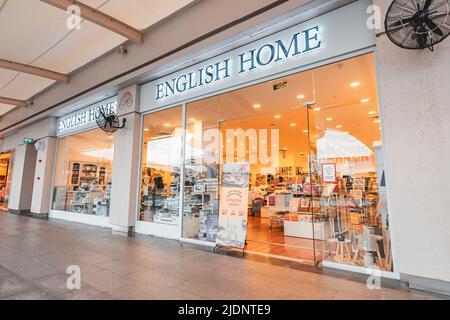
{"type": "Point", "coordinates": [262, 239]}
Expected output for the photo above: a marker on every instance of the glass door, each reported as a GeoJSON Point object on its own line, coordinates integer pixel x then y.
{"type": "Point", "coordinates": [349, 203]}
{"type": "Point", "coordinates": [253, 142]}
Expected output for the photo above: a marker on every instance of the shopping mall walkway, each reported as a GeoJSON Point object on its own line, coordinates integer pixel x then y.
{"type": "Point", "coordinates": [34, 255]}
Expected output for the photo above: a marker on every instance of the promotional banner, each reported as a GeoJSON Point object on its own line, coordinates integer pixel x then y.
{"type": "Point", "coordinates": [233, 205]}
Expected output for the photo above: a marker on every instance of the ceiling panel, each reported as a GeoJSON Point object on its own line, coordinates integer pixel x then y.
{"type": "Point", "coordinates": [141, 14]}
{"type": "Point", "coordinates": [5, 77]}
{"type": "Point", "coordinates": [4, 108]}
{"type": "Point", "coordinates": [41, 38]}
{"type": "Point", "coordinates": [25, 84]}
{"type": "Point", "coordinates": [28, 28]}
{"type": "Point", "coordinates": [79, 48]}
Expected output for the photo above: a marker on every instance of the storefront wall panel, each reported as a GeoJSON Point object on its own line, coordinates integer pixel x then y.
{"type": "Point", "coordinates": [415, 109]}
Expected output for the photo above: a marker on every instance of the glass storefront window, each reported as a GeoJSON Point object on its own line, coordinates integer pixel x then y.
{"type": "Point", "coordinates": [83, 173]}
{"type": "Point", "coordinates": [161, 167]}
{"type": "Point", "coordinates": [321, 197]}
{"type": "Point", "coordinates": [347, 165]}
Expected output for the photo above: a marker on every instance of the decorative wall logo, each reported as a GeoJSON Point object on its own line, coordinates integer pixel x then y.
{"type": "Point", "coordinates": [74, 20]}
{"type": "Point", "coordinates": [277, 51]}
{"type": "Point", "coordinates": [74, 280]}
{"type": "Point", "coordinates": [126, 100]}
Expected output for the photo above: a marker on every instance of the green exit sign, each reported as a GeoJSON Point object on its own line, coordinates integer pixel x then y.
{"type": "Point", "coordinates": [28, 141]}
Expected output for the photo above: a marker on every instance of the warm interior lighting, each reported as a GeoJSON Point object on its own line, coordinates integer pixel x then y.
{"type": "Point", "coordinates": [293, 124]}
{"type": "Point", "coordinates": [355, 84]}
{"type": "Point", "coordinates": [301, 96]}
{"type": "Point", "coordinates": [329, 119]}
{"type": "Point", "coordinates": [365, 100]}
{"type": "Point", "coordinates": [256, 106]}
{"type": "Point", "coordinates": [277, 116]}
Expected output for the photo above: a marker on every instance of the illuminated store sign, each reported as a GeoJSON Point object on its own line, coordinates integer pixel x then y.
{"type": "Point", "coordinates": [85, 118]}
{"type": "Point", "coordinates": [335, 35]}
{"type": "Point", "coordinates": [300, 43]}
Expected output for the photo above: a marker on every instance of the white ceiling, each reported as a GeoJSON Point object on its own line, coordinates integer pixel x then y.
{"type": "Point", "coordinates": [35, 33]}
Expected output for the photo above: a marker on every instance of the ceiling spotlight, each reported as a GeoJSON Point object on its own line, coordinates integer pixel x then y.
{"type": "Point", "coordinates": [365, 100]}
{"type": "Point", "coordinates": [372, 112]}
{"type": "Point", "coordinates": [316, 109]}
{"type": "Point", "coordinates": [256, 106]}
{"type": "Point", "coordinates": [293, 124]}
{"type": "Point", "coordinates": [338, 126]}
{"type": "Point", "coordinates": [166, 124]}
{"type": "Point", "coordinates": [192, 119]}
{"type": "Point", "coordinates": [376, 121]}
{"type": "Point", "coordinates": [301, 96]}
{"type": "Point", "coordinates": [355, 84]}
{"type": "Point", "coordinates": [329, 119]}
{"type": "Point", "coordinates": [146, 129]}
{"type": "Point", "coordinates": [277, 116]}
{"type": "Point", "coordinates": [305, 131]}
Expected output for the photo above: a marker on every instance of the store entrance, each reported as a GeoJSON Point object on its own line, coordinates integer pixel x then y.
{"type": "Point", "coordinates": [5, 179]}
{"type": "Point", "coordinates": [277, 204]}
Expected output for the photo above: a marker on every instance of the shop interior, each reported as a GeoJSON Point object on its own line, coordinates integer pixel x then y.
{"type": "Point", "coordinates": [324, 198]}
{"type": "Point", "coordinates": [83, 173]}
{"type": "Point", "coordinates": [5, 178]}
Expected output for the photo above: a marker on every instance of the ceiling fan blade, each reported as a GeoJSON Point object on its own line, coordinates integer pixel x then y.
{"type": "Point", "coordinates": [427, 4]}
{"type": "Point", "coordinates": [434, 27]}
{"type": "Point", "coordinates": [401, 22]}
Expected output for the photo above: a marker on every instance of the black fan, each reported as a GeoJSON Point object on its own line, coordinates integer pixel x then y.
{"type": "Point", "coordinates": [110, 122]}
{"type": "Point", "coordinates": [418, 24]}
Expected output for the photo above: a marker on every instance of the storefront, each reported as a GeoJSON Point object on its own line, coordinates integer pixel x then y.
{"type": "Point", "coordinates": [290, 123]}
{"type": "Point", "coordinates": [83, 167]}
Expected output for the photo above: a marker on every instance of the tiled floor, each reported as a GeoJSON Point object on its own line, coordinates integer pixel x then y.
{"type": "Point", "coordinates": [35, 254]}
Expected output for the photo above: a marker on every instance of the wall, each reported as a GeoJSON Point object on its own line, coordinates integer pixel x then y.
{"type": "Point", "coordinates": [415, 106]}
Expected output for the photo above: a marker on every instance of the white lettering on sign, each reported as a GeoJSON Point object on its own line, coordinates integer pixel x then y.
{"type": "Point", "coordinates": [274, 52]}
{"type": "Point", "coordinates": [85, 117]}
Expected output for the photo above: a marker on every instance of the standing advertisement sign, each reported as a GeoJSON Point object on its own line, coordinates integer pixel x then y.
{"type": "Point", "coordinates": [233, 205]}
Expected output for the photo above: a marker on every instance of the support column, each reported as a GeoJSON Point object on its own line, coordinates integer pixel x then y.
{"type": "Point", "coordinates": [125, 175]}
{"type": "Point", "coordinates": [22, 179]}
{"type": "Point", "coordinates": [40, 204]}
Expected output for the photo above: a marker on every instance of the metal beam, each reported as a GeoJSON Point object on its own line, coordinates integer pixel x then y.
{"type": "Point", "coordinates": [13, 102]}
{"type": "Point", "coordinates": [99, 18]}
{"type": "Point", "coordinates": [20, 67]}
